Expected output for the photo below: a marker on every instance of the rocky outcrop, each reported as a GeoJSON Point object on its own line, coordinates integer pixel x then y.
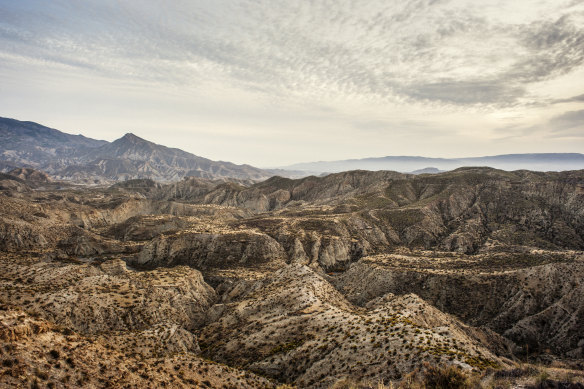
{"type": "Point", "coordinates": [145, 228]}
{"type": "Point", "coordinates": [20, 236]}
{"type": "Point", "coordinates": [16, 325]}
{"type": "Point", "coordinates": [79, 242]}
{"type": "Point", "coordinates": [13, 186]}
{"type": "Point", "coordinates": [202, 250]}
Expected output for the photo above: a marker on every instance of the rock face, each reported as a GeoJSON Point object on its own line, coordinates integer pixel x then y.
{"type": "Point", "coordinates": [82, 243]}
{"type": "Point", "coordinates": [211, 250]}
{"type": "Point", "coordinates": [12, 186]}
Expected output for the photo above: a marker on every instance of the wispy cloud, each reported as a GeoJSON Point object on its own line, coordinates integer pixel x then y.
{"type": "Point", "coordinates": [569, 124]}
{"type": "Point", "coordinates": [367, 59]}
{"type": "Point", "coordinates": [427, 51]}
{"type": "Point", "coordinates": [573, 99]}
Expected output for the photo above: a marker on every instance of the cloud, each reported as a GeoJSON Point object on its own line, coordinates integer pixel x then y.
{"type": "Point", "coordinates": [554, 48]}
{"type": "Point", "coordinates": [573, 99]}
{"type": "Point", "coordinates": [420, 50]}
{"type": "Point", "coordinates": [467, 92]}
{"type": "Point", "coordinates": [568, 124]}
{"type": "Point", "coordinates": [574, 3]}
{"type": "Point", "coordinates": [420, 69]}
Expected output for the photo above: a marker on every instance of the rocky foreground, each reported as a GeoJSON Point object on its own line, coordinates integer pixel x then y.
{"type": "Point", "coordinates": [350, 280]}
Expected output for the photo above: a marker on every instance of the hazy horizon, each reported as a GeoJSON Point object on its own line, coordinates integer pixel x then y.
{"type": "Point", "coordinates": [274, 83]}
{"type": "Point", "coordinates": [377, 163]}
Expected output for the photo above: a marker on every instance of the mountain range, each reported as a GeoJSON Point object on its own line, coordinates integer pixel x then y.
{"type": "Point", "coordinates": [535, 162]}
{"type": "Point", "coordinates": [75, 157]}
{"type": "Point", "coordinates": [81, 159]}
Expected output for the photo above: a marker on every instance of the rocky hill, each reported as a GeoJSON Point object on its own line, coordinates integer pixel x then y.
{"type": "Point", "coordinates": [36, 353]}
{"type": "Point", "coordinates": [29, 174]}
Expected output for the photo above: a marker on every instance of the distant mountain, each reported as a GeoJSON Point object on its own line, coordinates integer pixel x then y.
{"type": "Point", "coordinates": [31, 144]}
{"type": "Point", "coordinates": [76, 157]}
{"type": "Point", "coordinates": [133, 157]}
{"type": "Point", "coordinates": [537, 162]}
{"type": "Point", "coordinates": [428, 170]}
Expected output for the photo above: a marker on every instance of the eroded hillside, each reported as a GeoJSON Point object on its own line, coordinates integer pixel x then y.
{"type": "Point", "coordinates": [363, 276]}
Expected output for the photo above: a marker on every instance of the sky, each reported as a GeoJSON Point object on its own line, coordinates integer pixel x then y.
{"type": "Point", "coordinates": [275, 82]}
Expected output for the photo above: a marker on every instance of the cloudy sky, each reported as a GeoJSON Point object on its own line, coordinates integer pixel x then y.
{"type": "Point", "coordinates": [273, 82]}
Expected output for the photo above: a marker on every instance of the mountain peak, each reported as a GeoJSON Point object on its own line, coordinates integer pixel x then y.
{"type": "Point", "coordinates": [129, 137]}
{"type": "Point", "coordinates": [68, 156]}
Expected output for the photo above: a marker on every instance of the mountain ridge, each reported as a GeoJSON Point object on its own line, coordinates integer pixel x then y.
{"type": "Point", "coordinates": [76, 157]}
{"type": "Point", "coordinates": [404, 163]}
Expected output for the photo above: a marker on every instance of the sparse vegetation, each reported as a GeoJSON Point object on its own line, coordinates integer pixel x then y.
{"type": "Point", "coordinates": [375, 282]}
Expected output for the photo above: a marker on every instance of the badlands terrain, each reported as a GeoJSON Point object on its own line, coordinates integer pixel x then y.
{"type": "Point", "coordinates": [469, 278]}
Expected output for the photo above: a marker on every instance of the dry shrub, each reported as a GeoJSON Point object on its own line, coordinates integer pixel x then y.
{"type": "Point", "coordinates": [451, 377]}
